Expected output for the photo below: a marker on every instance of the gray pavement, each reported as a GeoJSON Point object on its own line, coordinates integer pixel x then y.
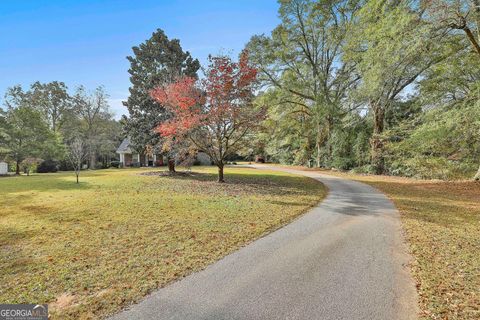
{"type": "Point", "coordinates": [344, 259]}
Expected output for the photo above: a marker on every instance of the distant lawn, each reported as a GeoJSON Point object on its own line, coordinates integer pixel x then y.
{"type": "Point", "coordinates": [90, 249]}
{"type": "Point", "coordinates": [442, 226]}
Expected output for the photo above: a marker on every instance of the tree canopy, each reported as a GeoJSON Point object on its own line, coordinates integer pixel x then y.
{"type": "Point", "coordinates": [214, 114]}
{"type": "Point", "coordinates": [358, 84]}
{"type": "Point", "coordinates": [155, 62]}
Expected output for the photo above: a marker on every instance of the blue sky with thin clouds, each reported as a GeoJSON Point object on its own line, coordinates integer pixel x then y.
{"type": "Point", "coordinates": [86, 41]}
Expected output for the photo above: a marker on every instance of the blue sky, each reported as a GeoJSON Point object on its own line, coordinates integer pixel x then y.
{"type": "Point", "coordinates": [86, 42]}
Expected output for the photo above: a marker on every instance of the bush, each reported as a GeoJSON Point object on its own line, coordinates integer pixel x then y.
{"type": "Point", "coordinates": [343, 163]}
{"type": "Point", "coordinates": [30, 165]}
{"type": "Point", "coordinates": [48, 166]}
{"type": "Point", "coordinates": [65, 165]}
{"type": "Point", "coordinates": [424, 167]}
{"type": "Point", "coordinates": [12, 167]}
{"type": "Point", "coordinates": [115, 164]}
{"type": "Point", "coordinates": [136, 164]}
{"type": "Point", "coordinates": [443, 144]}
{"type": "Point", "coordinates": [259, 159]}
{"type": "Point", "coordinates": [100, 165]}
{"type": "Point", "coordinates": [366, 169]}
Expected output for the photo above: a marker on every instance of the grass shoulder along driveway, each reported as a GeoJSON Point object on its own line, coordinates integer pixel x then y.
{"type": "Point", "coordinates": [90, 249]}
{"type": "Point", "coordinates": [442, 227]}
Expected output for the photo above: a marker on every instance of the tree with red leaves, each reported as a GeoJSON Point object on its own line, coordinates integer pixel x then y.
{"type": "Point", "coordinates": [216, 113]}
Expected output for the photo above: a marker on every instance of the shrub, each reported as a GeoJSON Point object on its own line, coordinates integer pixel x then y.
{"type": "Point", "coordinates": [343, 163]}
{"type": "Point", "coordinates": [100, 165]}
{"type": "Point", "coordinates": [12, 167]}
{"type": "Point", "coordinates": [136, 164]}
{"type": "Point", "coordinates": [65, 165]}
{"type": "Point", "coordinates": [424, 167]}
{"type": "Point", "coordinates": [442, 144]}
{"type": "Point", "coordinates": [47, 166]}
{"type": "Point", "coordinates": [366, 169]}
{"type": "Point", "coordinates": [115, 164]}
{"type": "Point", "coordinates": [30, 165]}
{"type": "Point", "coordinates": [259, 159]}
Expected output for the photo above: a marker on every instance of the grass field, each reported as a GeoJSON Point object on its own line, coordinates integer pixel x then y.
{"type": "Point", "coordinates": [90, 249]}
{"type": "Point", "coordinates": [442, 226]}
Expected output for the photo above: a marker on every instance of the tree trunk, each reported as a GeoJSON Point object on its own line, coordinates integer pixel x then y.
{"type": "Point", "coordinates": [220, 173]}
{"type": "Point", "coordinates": [17, 169]}
{"type": "Point", "coordinates": [329, 142]}
{"type": "Point", "coordinates": [171, 165]}
{"type": "Point", "coordinates": [78, 168]}
{"type": "Point", "coordinates": [477, 176]}
{"type": "Point", "coordinates": [318, 154]}
{"type": "Point", "coordinates": [472, 39]}
{"type": "Point", "coordinates": [319, 134]}
{"type": "Point", "coordinates": [93, 160]}
{"type": "Point", "coordinates": [378, 161]}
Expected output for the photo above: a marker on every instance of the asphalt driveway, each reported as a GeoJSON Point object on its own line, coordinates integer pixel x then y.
{"type": "Point", "coordinates": [344, 259]}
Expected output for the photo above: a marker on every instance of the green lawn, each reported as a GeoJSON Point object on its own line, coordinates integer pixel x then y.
{"type": "Point", "coordinates": [90, 249]}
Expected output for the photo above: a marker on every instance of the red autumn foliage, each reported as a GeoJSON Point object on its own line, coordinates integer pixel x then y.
{"type": "Point", "coordinates": [214, 113]}
{"type": "Point", "coordinates": [182, 98]}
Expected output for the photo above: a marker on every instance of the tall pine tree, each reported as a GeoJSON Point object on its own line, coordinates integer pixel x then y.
{"type": "Point", "coordinates": [156, 62]}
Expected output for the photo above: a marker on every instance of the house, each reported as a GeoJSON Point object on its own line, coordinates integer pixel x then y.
{"type": "Point", "coordinates": [129, 157]}
{"type": "Point", "coordinates": [3, 168]}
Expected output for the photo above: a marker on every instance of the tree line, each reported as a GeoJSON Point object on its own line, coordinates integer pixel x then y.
{"type": "Point", "coordinates": [376, 86]}
{"type": "Point", "coordinates": [171, 112]}
{"type": "Point", "coordinates": [43, 126]}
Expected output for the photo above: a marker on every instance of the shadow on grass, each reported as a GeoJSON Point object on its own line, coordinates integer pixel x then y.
{"type": "Point", "coordinates": [265, 184]}
{"type": "Point", "coordinates": [233, 178]}
{"type": "Point", "coordinates": [443, 203]}
{"type": "Point", "coordinates": [38, 183]}
{"type": "Point", "coordinates": [287, 203]}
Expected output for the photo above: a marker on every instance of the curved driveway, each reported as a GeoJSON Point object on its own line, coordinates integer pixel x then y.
{"type": "Point", "coordinates": [344, 259]}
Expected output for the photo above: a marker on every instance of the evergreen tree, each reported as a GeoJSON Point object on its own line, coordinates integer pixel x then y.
{"type": "Point", "coordinates": [156, 62]}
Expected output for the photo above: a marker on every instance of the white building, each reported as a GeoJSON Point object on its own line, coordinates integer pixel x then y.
{"type": "Point", "coordinates": [3, 168]}
{"type": "Point", "coordinates": [129, 157]}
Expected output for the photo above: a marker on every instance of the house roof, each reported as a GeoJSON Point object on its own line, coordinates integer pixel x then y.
{"type": "Point", "coordinates": [124, 146]}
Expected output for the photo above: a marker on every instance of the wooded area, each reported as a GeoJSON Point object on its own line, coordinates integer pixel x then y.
{"type": "Point", "coordinates": [375, 86]}
{"type": "Point", "coordinates": [41, 126]}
